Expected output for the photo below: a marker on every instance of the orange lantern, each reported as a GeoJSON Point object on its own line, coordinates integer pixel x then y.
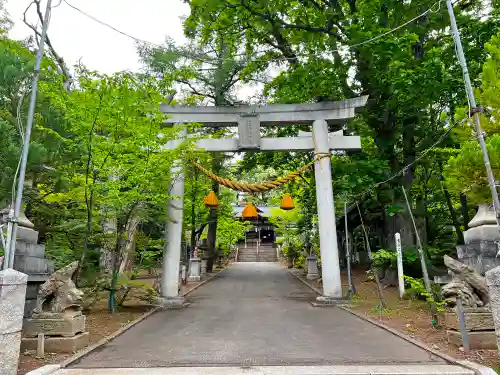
{"type": "Point", "coordinates": [287, 202]}
{"type": "Point", "coordinates": [250, 212]}
{"type": "Point", "coordinates": [211, 200]}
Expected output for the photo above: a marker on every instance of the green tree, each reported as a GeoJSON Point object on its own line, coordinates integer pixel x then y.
{"type": "Point", "coordinates": [411, 75]}
{"type": "Point", "coordinates": [465, 172]}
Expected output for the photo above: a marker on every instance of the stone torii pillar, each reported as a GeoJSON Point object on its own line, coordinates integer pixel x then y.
{"type": "Point", "coordinates": [248, 119]}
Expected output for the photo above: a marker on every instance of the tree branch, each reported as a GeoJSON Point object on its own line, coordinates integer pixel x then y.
{"type": "Point", "coordinates": [58, 59]}
{"type": "Point", "coordinates": [275, 18]}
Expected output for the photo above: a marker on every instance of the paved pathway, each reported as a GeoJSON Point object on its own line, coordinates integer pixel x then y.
{"type": "Point", "coordinates": [254, 314]}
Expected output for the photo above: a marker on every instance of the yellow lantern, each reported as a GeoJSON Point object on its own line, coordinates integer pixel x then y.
{"type": "Point", "coordinates": [211, 200]}
{"type": "Point", "coordinates": [287, 202]}
{"type": "Point", "coordinates": [250, 211]}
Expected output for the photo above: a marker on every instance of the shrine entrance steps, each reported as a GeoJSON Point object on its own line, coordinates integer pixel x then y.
{"type": "Point", "coordinates": [266, 252]}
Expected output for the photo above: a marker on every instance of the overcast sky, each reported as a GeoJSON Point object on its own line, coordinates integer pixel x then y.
{"type": "Point", "coordinates": [77, 37]}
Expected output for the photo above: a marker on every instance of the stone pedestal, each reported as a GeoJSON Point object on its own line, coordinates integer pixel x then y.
{"type": "Point", "coordinates": [479, 326]}
{"type": "Point", "coordinates": [195, 270]}
{"type": "Point", "coordinates": [29, 258]}
{"type": "Point", "coordinates": [64, 332]}
{"type": "Point", "coordinates": [12, 297]}
{"type": "Point", "coordinates": [480, 249]}
{"type": "Point", "coordinates": [493, 282]}
{"type": "Point", "coordinates": [59, 344]}
{"type": "Point", "coordinates": [312, 268]}
{"type": "Point", "coordinates": [171, 302]}
{"type": "Point", "coordinates": [204, 266]}
{"type": "Point", "coordinates": [324, 301]}
{"type": "Point", "coordinates": [53, 324]}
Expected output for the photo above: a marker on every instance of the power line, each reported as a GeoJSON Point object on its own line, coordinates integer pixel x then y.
{"type": "Point", "coordinates": [139, 40]}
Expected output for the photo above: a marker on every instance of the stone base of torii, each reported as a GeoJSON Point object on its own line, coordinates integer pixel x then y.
{"type": "Point", "coordinates": [248, 119]}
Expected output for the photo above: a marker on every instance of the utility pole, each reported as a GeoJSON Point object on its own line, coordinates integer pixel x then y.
{"type": "Point", "coordinates": [474, 110]}
{"type": "Point", "coordinates": [14, 220]}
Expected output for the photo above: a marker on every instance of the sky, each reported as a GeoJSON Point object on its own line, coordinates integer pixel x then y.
{"type": "Point", "coordinates": [76, 37]}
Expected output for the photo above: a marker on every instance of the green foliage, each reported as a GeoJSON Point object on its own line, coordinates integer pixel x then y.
{"type": "Point", "coordinates": [465, 172]}
{"type": "Point", "coordinates": [229, 232]}
{"type": "Point", "coordinates": [417, 290]}
{"type": "Point", "coordinates": [411, 75]}
{"type": "Point", "coordinates": [383, 258]}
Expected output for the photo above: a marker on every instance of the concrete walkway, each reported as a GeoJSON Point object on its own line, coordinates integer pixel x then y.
{"type": "Point", "coordinates": [254, 314]}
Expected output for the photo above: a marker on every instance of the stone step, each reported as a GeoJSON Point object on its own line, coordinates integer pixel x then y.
{"type": "Point", "coordinates": [257, 260]}
{"type": "Point", "coordinates": [419, 369]}
{"type": "Point", "coordinates": [241, 256]}
{"type": "Point", "coordinates": [254, 259]}
{"type": "Point", "coordinates": [255, 253]}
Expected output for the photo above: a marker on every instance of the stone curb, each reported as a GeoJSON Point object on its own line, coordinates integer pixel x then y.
{"type": "Point", "coordinates": [477, 368]}
{"type": "Point", "coordinates": [45, 370]}
{"type": "Point", "coordinates": [49, 369]}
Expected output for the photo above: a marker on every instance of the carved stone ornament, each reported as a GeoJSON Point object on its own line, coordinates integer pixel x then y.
{"type": "Point", "coordinates": [466, 283]}
{"type": "Point", "coordinates": [59, 293]}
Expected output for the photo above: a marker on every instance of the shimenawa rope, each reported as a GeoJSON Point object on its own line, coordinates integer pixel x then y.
{"type": "Point", "coordinates": [259, 186]}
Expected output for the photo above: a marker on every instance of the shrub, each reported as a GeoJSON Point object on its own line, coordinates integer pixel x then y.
{"type": "Point", "coordinates": [417, 291]}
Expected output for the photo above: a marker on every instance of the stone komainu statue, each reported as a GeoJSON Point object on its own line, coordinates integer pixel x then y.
{"type": "Point", "coordinates": [59, 293]}
{"type": "Point", "coordinates": [466, 283]}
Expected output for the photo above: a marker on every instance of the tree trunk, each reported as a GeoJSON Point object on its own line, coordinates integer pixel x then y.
{"type": "Point", "coordinates": [465, 210]}
{"type": "Point", "coordinates": [212, 221]}
{"type": "Point", "coordinates": [114, 278]}
{"type": "Point", "coordinates": [109, 227]}
{"type": "Point", "coordinates": [451, 209]}
{"type": "Point", "coordinates": [128, 250]}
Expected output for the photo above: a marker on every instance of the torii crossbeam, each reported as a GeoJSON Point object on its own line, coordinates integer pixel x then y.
{"type": "Point", "coordinates": [249, 119]}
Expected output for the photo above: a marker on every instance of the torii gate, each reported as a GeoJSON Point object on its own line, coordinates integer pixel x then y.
{"type": "Point", "coordinates": [248, 119]}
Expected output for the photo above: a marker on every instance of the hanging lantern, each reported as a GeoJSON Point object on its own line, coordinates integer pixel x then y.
{"type": "Point", "coordinates": [250, 212]}
{"type": "Point", "coordinates": [211, 200]}
{"type": "Point", "coordinates": [287, 202]}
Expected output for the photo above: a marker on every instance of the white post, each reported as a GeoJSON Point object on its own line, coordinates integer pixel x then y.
{"type": "Point", "coordinates": [332, 287]}
{"type": "Point", "coordinates": [401, 280]}
{"type": "Point", "coordinates": [173, 237]}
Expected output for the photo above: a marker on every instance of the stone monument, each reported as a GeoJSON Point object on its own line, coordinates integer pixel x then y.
{"type": "Point", "coordinates": [481, 239]}
{"type": "Point", "coordinates": [29, 258]}
{"type": "Point", "coordinates": [12, 295]}
{"type": "Point", "coordinates": [493, 282]}
{"type": "Point", "coordinates": [312, 267]}
{"type": "Point", "coordinates": [58, 315]}
{"type": "Point", "coordinates": [194, 269]}
{"type": "Point", "coordinates": [471, 287]}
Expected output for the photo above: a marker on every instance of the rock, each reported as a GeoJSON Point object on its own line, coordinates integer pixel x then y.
{"type": "Point", "coordinates": [467, 283]}
{"type": "Point", "coordinates": [390, 277]}
{"type": "Point", "coordinates": [60, 292]}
